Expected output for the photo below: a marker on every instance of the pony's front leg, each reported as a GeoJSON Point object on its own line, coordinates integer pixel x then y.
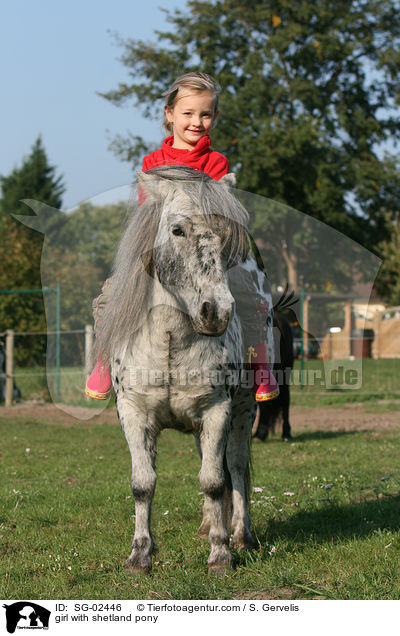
{"type": "Point", "coordinates": [212, 480]}
{"type": "Point", "coordinates": [142, 445]}
{"type": "Point", "coordinates": [204, 529]}
{"type": "Point", "coordinates": [237, 456]}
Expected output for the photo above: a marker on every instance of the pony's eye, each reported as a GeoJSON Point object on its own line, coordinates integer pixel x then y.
{"type": "Point", "coordinates": [178, 231]}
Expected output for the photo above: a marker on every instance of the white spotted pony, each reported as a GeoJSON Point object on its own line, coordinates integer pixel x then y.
{"type": "Point", "coordinates": [174, 339]}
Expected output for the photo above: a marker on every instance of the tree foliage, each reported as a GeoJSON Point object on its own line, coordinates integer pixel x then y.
{"type": "Point", "coordinates": [48, 246]}
{"type": "Point", "coordinates": [92, 233]}
{"type": "Point", "coordinates": [20, 247]}
{"type": "Point", "coordinates": [310, 96]}
{"type": "Point", "coordinates": [35, 179]}
{"type": "Point", "coordinates": [78, 253]}
{"type": "Point", "coordinates": [388, 282]}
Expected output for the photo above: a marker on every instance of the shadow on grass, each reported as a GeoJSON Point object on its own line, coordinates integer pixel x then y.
{"type": "Point", "coordinates": [321, 435]}
{"type": "Point", "coordinates": [334, 522]}
{"type": "Point", "coordinates": [307, 437]}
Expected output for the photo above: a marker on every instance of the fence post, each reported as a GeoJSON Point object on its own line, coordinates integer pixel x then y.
{"type": "Point", "coordinates": [58, 337]}
{"type": "Point", "coordinates": [348, 326]}
{"type": "Point", "coordinates": [305, 327]}
{"type": "Point", "coordinates": [88, 350]}
{"type": "Point", "coordinates": [302, 339]}
{"type": "Point", "coordinates": [377, 328]}
{"type": "Point", "coordinates": [9, 367]}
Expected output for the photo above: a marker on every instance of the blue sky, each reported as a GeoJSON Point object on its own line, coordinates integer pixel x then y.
{"type": "Point", "coordinates": [54, 56]}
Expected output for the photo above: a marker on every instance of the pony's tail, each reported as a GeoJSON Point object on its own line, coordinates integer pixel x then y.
{"type": "Point", "coordinates": [249, 471]}
{"type": "Point", "coordinates": [270, 415]}
{"type": "Point", "coordinates": [286, 299]}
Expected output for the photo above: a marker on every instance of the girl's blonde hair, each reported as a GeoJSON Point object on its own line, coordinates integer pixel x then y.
{"type": "Point", "coordinates": [196, 82]}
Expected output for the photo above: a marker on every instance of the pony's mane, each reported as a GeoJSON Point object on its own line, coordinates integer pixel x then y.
{"type": "Point", "coordinates": [129, 284]}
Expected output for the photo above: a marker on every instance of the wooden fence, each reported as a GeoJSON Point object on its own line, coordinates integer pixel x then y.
{"type": "Point", "coordinates": [9, 336]}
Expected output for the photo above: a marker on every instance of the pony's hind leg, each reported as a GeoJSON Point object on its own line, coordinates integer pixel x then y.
{"type": "Point", "coordinates": [237, 455]}
{"type": "Point", "coordinates": [141, 442]}
{"type": "Point", "coordinates": [212, 481]}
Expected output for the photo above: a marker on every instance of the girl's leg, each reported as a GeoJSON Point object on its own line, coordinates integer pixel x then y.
{"type": "Point", "coordinates": [99, 383]}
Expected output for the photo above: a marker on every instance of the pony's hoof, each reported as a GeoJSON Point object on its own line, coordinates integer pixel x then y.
{"type": "Point", "coordinates": [244, 543]}
{"type": "Point", "coordinates": [220, 569]}
{"type": "Point", "coordinates": [220, 562]}
{"type": "Point", "coordinates": [135, 568]}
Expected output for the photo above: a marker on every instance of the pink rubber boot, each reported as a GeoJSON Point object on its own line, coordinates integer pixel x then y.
{"type": "Point", "coordinates": [99, 384]}
{"type": "Point", "coordinates": [265, 385]}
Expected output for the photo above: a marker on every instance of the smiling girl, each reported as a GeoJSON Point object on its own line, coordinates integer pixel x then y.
{"type": "Point", "coordinates": [190, 112]}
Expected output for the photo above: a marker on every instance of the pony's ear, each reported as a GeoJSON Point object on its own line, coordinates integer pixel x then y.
{"type": "Point", "coordinates": [155, 187]}
{"type": "Point", "coordinates": [229, 180]}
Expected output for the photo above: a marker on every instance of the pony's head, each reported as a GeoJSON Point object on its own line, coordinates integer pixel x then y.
{"type": "Point", "coordinates": [186, 234]}
{"type": "Point", "coordinates": [199, 237]}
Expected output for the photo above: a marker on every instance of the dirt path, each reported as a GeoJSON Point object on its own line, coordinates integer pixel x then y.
{"type": "Point", "coordinates": [60, 415]}
{"type": "Point", "coordinates": [353, 417]}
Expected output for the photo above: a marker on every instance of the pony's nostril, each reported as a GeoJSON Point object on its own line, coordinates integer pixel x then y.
{"type": "Point", "coordinates": [208, 313]}
{"type": "Point", "coordinates": [205, 311]}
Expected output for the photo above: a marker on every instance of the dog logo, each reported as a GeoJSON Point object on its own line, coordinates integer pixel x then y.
{"type": "Point", "coordinates": [26, 615]}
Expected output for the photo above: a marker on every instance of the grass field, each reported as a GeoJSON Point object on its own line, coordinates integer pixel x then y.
{"type": "Point", "coordinates": [325, 513]}
{"type": "Point", "coordinates": [379, 379]}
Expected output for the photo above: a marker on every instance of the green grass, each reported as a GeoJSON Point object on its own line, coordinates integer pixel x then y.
{"type": "Point", "coordinates": [380, 380]}
{"type": "Point", "coordinates": [66, 522]}
{"type": "Point", "coordinates": [33, 384]}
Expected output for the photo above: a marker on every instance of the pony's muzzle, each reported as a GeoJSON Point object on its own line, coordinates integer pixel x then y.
{"type": "Point", "coordinates": [213, 319]}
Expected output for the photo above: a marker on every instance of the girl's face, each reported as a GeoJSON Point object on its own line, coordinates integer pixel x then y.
{"type": "Point", "coordinates": [192, 116]}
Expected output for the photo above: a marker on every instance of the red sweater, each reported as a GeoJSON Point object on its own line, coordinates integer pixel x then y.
{"type": "Point", "coordinates": [200, 158]}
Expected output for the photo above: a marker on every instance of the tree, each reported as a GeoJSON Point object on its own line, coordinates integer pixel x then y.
{"type": "Point", "coordinates": [20, 247]}
{"type": "Point", "coordinates": [310, 96]}
{"type": "Point", "coordinates": [35, 179]}
{"type": "Point", "coordinates": [92, 233]}
{"type": "Point", "coordinates": [78, 252]}
{"type": "Point", "coordinates": [388, 282]}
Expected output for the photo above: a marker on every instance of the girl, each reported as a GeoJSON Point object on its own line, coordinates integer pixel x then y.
{"type": "Point", "coordinates": [190, 111]}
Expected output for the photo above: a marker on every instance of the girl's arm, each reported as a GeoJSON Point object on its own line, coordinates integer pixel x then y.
{"type": "Point", "coordinates": [217, 166]}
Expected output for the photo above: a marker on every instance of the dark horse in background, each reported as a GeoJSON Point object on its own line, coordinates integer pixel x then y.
{"type": "Point", "coordinates": [269, 413]}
